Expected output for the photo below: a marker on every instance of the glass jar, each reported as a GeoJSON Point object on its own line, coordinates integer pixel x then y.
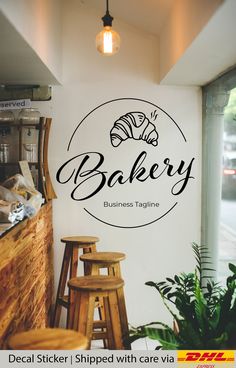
{"type": "Point", "coordinates": [30, 152]}
{"type": "Point", "coordinates": [4, 152]}
{"type": "Point", "coordinates": [29, 116]}
{"type": "Point", "coordinates": [6, 117]}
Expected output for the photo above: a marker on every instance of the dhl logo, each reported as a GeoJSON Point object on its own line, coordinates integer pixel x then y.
{"type": "Point", "coordinates": [215, 356]}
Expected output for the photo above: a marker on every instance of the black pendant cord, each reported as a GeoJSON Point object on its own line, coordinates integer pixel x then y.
{"type": "Point", "coordinates": [107, 19]}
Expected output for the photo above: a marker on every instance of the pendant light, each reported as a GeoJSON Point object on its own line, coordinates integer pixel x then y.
{"type": "Point", "coordinates": [108, 40]}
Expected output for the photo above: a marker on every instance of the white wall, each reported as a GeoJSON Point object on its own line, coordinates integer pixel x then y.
{"type": "Point", "coordinates": [89, 79]}
{"type": "Point", "coordinates": [186, 20]}
{"type": "Point", "coordinates": [201, 55]}
{"type": "Point", "coordinates": [39, 23]}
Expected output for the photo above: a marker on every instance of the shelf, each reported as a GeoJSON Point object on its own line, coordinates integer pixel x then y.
{"type": "Point", "coordinates": [6, 164]}
{"type": "Point", "coordinates": [19, 125]}
{"type": "Point", "coordinates": [41, 137]}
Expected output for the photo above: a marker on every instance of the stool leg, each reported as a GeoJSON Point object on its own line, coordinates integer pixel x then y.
{"type": "Point", "coordinates": [114, 270]}
{"type": "Point", "coordinates": [73, 313]}
{"type": "Point", "coordinates": [87, 266]}
{"type": "Point", "coordinates": [107, 317]}
{"type": "Point", "coordinates": [73, 273]}
{"type": "Point", "coordinates": [91, 249]}
{"type": "Point", "coordinates": [95, 270]}
{"type": "Point", "coordinates": [86, 315]}
{"type": "Point", "coordinates": [123, 318]}
{"type": "Point", "coordinates": [61, 285]}
{"type": "Point", "coordinates": [115, 320]}
{"type": "Point", "coordinates": [74, 262]}
{"type": "Point", "coordinates": [102, 317]}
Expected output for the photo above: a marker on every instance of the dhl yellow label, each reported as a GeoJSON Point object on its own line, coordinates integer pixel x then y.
{"type": "Point", "coordinates": [205, 356]}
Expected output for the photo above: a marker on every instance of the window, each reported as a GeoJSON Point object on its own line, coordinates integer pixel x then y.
{"type": "Point", "coordinates": [227, 238]}
{"type": "Point", "coordinates": [219, 172]}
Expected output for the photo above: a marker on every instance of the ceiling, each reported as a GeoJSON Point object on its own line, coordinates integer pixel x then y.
{"type": "Point", "coordinates": [209, 53]}
{"type": "Point", "coordinates": [19, 63]}
{"type": "Point", "coordinates": [147, 15]}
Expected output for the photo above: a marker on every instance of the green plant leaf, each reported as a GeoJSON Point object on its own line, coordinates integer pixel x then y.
{"type": "Point", "coordinates": [170, 280]}
{"type": "Point", "coordinates": [151, 283]}
{"type": "Point", "coordinates": [166, 290]}
{"type": "Point", "coordinates": [206, 314]}
{"type": "Point", "coordinates": [136, 333]}
{"type": "Point", "coordinates": [177, 279]}
{"type": "Point", "coordinates": [214, 320]}
{"type": "Point", "coordinates": [190, 336]}
{"type": "Point", "coordinates": [218, 342]}
{"type": "Point", "coordinates": [226, 302]}
{"type": "Point", "coordinates": [201, 256]}
{"type": "Point", "coordinates": [232, 267]}
{"type": "Point", "coordinates": [200, 308]}
{"type": "Point", "coordinates": [166, 337]}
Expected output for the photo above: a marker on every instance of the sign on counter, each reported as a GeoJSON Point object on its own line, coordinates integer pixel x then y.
{"type": "Point", "coordinates": [15, 104]}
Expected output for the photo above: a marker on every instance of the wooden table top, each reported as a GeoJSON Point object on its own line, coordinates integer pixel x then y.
{"type": "Point", "coordinates": [48, 339]}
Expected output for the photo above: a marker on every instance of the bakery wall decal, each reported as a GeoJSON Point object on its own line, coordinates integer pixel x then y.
{"type": "Point", "coordinates": [133, 125]}
{"type": "Point", "coordinates": [128, 164]}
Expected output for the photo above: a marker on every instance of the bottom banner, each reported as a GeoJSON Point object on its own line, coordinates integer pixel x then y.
{"type": "Point", "coordinates": [124, 359]}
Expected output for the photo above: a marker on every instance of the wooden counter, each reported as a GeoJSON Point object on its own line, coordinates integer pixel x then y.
{"type": "Point", "coordinates": [26, 275]}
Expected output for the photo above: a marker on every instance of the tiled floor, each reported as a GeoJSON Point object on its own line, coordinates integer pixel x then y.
{"type": "Point", "coordinates": [144, 344]}
{"type": "Point", "coordinates": [141, 344]}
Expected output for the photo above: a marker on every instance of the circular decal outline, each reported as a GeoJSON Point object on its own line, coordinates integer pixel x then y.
{"type": "Point", "coordinates": [125, 99]}
{"type": "Point", "coordinates": [131, 227]}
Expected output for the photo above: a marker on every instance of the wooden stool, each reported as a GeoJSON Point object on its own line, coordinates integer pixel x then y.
{"type": "Point", "coordinates": [69, 269]}
{"type": "Point", "coordinates": [109, 260]}
{"type": "Point", "coordinates": [84, 291]}
{"type": "Point", "coordinates": [48, 339]}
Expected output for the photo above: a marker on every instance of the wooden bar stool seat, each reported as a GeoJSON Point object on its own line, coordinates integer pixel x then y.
{"type": "Point", "coordinates": [84, 291]}
{"type": "Point", "coordinates": [108, 260]}
{"type": "Point", "coordinates": [69, 269]}
{"type": "Point", "coordinates": [48, 339]}
{"type": "Point", "coordinates": [81, 241]}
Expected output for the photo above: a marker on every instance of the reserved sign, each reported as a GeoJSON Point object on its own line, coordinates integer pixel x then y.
{"type": "Point", "coordinates": [15, 104]}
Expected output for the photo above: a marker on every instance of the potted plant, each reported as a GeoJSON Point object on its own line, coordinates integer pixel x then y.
{"type": "Point", "coordinates": [205, 316]}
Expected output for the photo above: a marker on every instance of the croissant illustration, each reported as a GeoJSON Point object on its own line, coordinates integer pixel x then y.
{"type": "Point", "coordinates": [133, 125]}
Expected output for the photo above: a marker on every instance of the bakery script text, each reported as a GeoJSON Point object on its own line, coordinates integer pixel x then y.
{"type": "Point", "coordinates": [89, 176]}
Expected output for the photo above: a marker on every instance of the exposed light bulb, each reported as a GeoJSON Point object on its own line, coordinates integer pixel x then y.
{"type": "Point", "coordinates": [108, 40]}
